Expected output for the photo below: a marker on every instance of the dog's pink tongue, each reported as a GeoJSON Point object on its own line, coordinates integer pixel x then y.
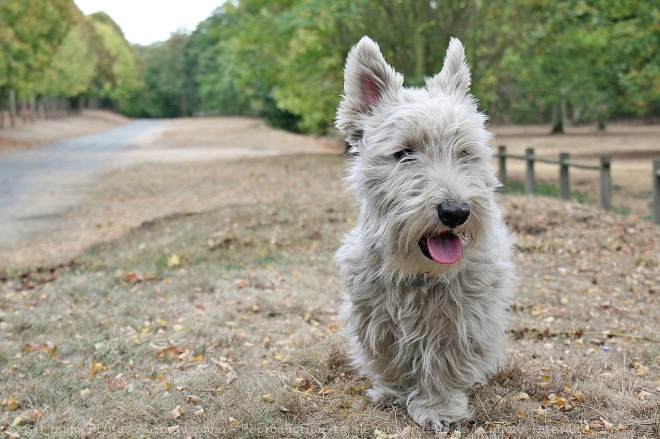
{"type": "Point", "coordinates": [445, 248]}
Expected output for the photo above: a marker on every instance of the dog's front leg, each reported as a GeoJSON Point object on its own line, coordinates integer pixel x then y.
{"type": "Point", "coordinates": [440, 410]}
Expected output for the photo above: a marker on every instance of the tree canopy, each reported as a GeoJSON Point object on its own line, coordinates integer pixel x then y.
{"type": "Point", "coordinates": [587, 60]}
{"type": "Point", "coordinates": [530, 60]}
{"type": "Point", "coordinates": [30, 33]}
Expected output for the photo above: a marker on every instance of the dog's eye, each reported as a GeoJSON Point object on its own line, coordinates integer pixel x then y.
{"type": "Point", "coordinates": [401, 155]}
{"type": "Point", "coordinates": [463, 155]}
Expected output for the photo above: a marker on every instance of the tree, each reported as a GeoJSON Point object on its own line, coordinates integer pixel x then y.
{"type": "Point", "coordinates": [124, 74]}
{"type": "Point", "coordinates": [71, 70]}
{"type": "Point", "coordinates": [167, 90]}
{"type": "Point", "coordinates": [593, 56]}
{"type": "Point", "coordinates": [30, 32]}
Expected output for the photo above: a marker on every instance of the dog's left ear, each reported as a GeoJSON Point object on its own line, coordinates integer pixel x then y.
{"type": "Point", "coordinates": [454, 78]}
{"type": "Point", "coordinates": [367, 80]}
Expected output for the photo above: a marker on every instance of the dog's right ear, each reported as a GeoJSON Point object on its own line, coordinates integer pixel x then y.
{"type": "Point", "coordinates": [367, 80]}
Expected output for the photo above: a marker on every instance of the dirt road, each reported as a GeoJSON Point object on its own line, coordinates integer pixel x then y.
{"type": "Point", "coordinates": [42, 183]}
{"type": "Point", "coordinates": [57, 199]}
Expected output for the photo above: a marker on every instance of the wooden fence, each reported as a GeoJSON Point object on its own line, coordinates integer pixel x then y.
{"type": "Point", "coordinates": [565, 162]}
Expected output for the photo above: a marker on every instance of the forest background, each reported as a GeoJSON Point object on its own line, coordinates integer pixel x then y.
{"type": "Point", "coordinates": [532, 61]}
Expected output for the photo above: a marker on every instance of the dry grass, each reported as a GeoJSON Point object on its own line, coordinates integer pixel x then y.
{"type": "Point", "coordinates": [221, 322]}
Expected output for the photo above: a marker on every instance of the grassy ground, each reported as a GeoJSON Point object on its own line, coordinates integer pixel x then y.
{"type": "Point", "coordinates": [220, 321]}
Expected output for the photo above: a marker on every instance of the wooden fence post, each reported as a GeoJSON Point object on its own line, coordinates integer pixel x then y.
{"type": "Point", "coordinates": [564, 188]}
{"type": "Point", "coordinates": [502, 157]}
{"type": "Point", "coordinates": [656, 191]}
{"type": "Point", "coordinates": [606, 182]}
{"type": "Point", "coordinates": [529, 174]}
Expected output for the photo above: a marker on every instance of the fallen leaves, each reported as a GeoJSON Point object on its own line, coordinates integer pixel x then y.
{"type": "Point", "coordinates": [11, 404]}
{"type": "Point", "coordinates": [521, 396]}
{"type": "Point", "coordinates": [134, 277]}
{"type": "Point", "coordinates": [643, 395]}
{"type": "Point", "coordinates": [94, 368]}
{"type": "Point", "coordinates": [638, 368]}
{"type": "Point", "coordinates": [47, 348]}
{"type": "Point", "coordinates": [118, 382]}
{"type": "Point", "coordinates": [183, 355]}
{"type": "Point", "coordinates": [241, 283]}
{"type": "Point", "coordinates": [173, 260]}
{"type": "Point", "coordinates": [171, 352]}
{"type": "Point", "coordinates": [177, 412]}
{"type": "Point", "coordinates": [409, 433]}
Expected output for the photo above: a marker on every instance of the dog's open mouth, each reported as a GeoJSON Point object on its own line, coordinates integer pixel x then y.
{"type": "Point", "coordinates": [445, 248]}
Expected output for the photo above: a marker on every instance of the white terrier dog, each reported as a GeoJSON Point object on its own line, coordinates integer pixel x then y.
{"type": "Point", "coordinates": [427, 269]}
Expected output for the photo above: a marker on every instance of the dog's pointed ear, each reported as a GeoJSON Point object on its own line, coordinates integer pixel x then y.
{"type": "Point", "coordinates": [454, 78]}
{"type": "Point", "coordinates": [367, 80]}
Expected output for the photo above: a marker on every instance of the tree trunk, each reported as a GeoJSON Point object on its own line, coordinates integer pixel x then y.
{"type": "Point", "coordinates": [2, 112]}
{"type": "Point", "coordinates": [12, 108]}
{"type": "Point", "coordinates": [576, 119]}
{"type": "Point", "coordinates": [24, 112]}
{"type": "Point", "coordinates": [33, 109]}
{"type": "Point", "coordinates": [557, 119]}
{"type": "Point", "coordinates": [40, 105]}
{"type": "Point", "coordinates": [601, 125]}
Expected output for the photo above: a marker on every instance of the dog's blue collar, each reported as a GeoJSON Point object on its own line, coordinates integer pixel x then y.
{"type": "Point", "coordinates": [418, 281]}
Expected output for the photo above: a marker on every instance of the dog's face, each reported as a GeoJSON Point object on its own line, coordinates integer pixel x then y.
{"type": "Point", "coordinates": [421, 168]}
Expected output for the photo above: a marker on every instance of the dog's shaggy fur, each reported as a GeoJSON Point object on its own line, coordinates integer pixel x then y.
{"type": "Point", "coordinates": [427, 269]}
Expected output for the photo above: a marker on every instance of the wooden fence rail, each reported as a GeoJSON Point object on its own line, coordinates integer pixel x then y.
{"type": "Point", "coordinates": [564, 162]}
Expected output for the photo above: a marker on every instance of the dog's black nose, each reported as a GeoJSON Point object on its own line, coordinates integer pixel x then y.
{"type": "Point", "coordinates": [452, 213]}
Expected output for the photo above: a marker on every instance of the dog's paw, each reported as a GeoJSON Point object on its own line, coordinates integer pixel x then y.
{"type": "Point", "coordinates": [441, 418]}
{"type": "Point", "coordinates": [443, 427]}
{"type": "Point", "coordinates": [438, 425]}
{"type": "Point", "coordinates": [380, 395]}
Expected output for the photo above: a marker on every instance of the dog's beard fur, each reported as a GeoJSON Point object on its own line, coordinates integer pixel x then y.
{"type": "Point", "coordinates": [414, 149]}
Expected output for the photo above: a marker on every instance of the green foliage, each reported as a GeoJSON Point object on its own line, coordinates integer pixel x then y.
{"type": "Point", "coordinates": [70, 73]}
{"type": "Point", "coordinates": [596, 57]}
{"type": "Point", "coordinates": [282, 59]}
{"type": "Point", "coordinates": [309, 76]}
{"type": "Point", "coordinates": [50, 48]}
{"type": "Point", "coordinates": [169, 90]}
{"type": "Point", "coordinates": [213, 69]}
{"type": "Point", "coordinates": [125, 73]}
{"type": "Point", "coordinates": [30, 33]}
